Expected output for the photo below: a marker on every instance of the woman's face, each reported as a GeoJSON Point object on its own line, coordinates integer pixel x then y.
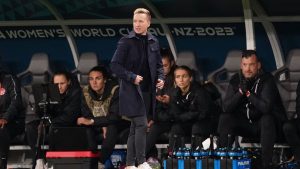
{"type": "Point", "coordinates": [62, 83]}
{"type": "Point", "coordinates": [97, 81]}
{"type": "Point", "coordinates": [182, 79]}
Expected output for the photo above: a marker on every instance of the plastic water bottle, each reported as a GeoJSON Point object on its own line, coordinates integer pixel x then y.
{"type": "Point", "coordinates": [244, 154]}
{"type": "Point", "coordinates": [221, 153]}
{"type": "Point", "coordinates": [179, 153]}
{"type": "Point", "coordinates": [196, 154]}
{"type": "Point", "coordinates": [186, 153]}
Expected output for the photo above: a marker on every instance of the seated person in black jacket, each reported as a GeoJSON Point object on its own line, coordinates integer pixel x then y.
{"type": "Point", "coordinates": [162, 124]}
{"type": "Point", "coordinates": [253, 107]}
{"type": "Point", "coordinates": [291, 129]}
{"type": "Point", "coordinates": [63, 114]}
{"type": "Point", "coordinates": [100, 107]}
{"type": "Point", "coordinates": [11, 114]}
{"type": "Point", "coordinates": [191, 109]}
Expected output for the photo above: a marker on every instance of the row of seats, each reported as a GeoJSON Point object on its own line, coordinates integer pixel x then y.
{"type": "Point", "coordinates": [39, 71]}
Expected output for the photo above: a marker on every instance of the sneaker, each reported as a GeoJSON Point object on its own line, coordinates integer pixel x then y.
{"type": "Point", "coordinates": [101, 166]}
{"type": "Point", "coordinates": [145, 165]}
{"type": "Point", "coordinates": [131, 167]}
{"type": "Point", "coordinates": [40, 164]}
{"type": "Point", "coordinates": [154, 163]}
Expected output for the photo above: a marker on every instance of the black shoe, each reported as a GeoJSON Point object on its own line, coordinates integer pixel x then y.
{"type": "Point", "coordinates": [3, 163]}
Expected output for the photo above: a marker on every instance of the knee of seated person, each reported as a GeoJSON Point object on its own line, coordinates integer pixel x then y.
{"type": "Point", "coordinates": [287, 127]}
{"type": "Point", "coordinates": [225, 117]}
{"type": "Point", "coordinates": [112, 127]}
{"type": "Point", "coordinates": [174, 135]}
{"type": "Point", "coordinates": [267, 118]}
{"type": "Point", "coordinates": [268, 121]}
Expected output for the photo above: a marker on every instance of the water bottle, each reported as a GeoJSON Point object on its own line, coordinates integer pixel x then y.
{"type": "Point", "coordinates": [196, 154]}
{"type": "Point", "coordinates": [179, 153]}
{"type": "Point", "coordinates": [221, 153]}
{"type": "Point", "coordinates": [244, 154]}
{"type": "Point", "coordinates": [186, 153]}
{"type": "Point", "coordinates": [204, 154]}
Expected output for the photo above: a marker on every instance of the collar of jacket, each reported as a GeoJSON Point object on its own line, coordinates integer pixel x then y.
{"type": "Point", "coordinates": [132, 34]}
{"type": "Point", "coordinates": [191, 92]}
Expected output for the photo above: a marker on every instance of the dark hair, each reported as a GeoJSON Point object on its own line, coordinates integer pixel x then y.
{"type": "Point", "coordinates": [166, 53]}
{"type": "Point", "coordinates": [64, 73]}
{"type": "Point", "coordinates": [100, 69]}
{"type": "Point", "coordinates": [186, 68]}
{"type": "Point", "coordinates": [249, 53]}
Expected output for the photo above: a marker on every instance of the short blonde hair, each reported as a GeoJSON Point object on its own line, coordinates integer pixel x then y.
{"type": "Point", "coordinates": [142, 11]}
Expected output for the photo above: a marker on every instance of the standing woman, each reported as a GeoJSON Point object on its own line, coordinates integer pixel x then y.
{"type": "Point", "coordinates": [137, 63]}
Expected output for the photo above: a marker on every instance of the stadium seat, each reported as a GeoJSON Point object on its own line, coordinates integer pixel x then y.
{"type": "Point", "coordinates": [288, 85]}
{"type": "Point", "coordinates": [38, 69]}
{"type": "Point", "coordinates": [220, 77]}
{"type": "Point", "coordinates": [86, 61]}
{"type": "Point", "coordinates": [38, 72]}
{"type": "Point", "coordinates": [188, 58]}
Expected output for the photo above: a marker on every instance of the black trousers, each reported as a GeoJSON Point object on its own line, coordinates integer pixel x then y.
{"type": "Point", "coordinates": [291, 131]}
{"type": "Point", "coordinates": [264, 128]}
{"type": "Point", "coordinates": [114, 133]}
{"type": "Point", "coordinates": [7, 133]}
{"type": "Point", "coordinates": [155, 131]}
{"type": "Point", "coordinates": [205, 127]}
{"type": "Point", "coordinates": [200, 129]}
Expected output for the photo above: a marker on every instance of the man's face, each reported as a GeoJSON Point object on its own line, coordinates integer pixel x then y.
{"type": "Point", "coordinates": [62, 83]}
{"type": "Point", "coordinates": [182, 79]}
{"type": "Point", "coordinates": [96, 81]}
{"type": "Point", "coordinates": [167, 65]}
{"type": "Point", "coordinates": [141, 23]}
{"type": "Point", "coordinates": [250, 66]}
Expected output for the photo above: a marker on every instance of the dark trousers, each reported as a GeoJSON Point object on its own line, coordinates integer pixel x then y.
{"type": "Point", "coordinates": [155, 131]}
{"type": "Point", "coordinates": [264, 128]}
{"type": "Point", "coordinates": [178, 132]}
{"type": "Point", "coordinates": [136, 143]}
{"type": "Point", "coordinates": [7, 133]}
{"type": "Point", "coordinates": [202, 129]}
{"type": "Point", "coordinates": [291, 130]}
{"type": "Point", "coordinates": [112, 137]}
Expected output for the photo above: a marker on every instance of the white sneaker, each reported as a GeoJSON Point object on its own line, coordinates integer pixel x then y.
{"type": "Point", "coordinates": [131, 167]}
{"type": "Point", "coordinates": [101, 166]}
{"type": "Point", "coordinates": [145, 165]}
{"type": "Point", "coordinates": [40, 164]}
{"type": "Point", "coordinates": [154, 163]}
